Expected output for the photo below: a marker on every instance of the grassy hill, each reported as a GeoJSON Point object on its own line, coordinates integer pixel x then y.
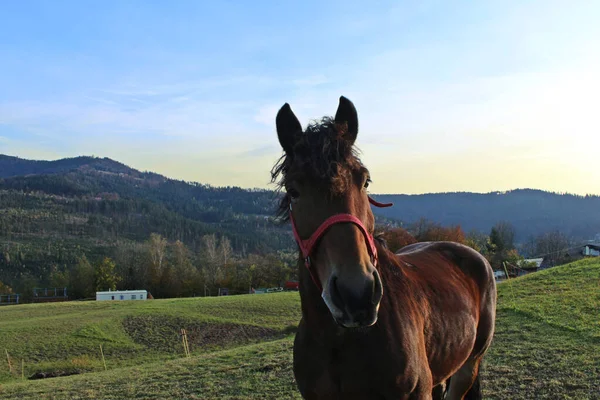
{"type": "Point", "coordinates": [547, 344]}
{"type": "Point", "coordinates": [547, 341]}
{"type": "Point", "coordinates": [66, 337]}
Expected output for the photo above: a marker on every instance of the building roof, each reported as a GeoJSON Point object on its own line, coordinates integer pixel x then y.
{"type": "Point", "coordinates": [122, 291]}
{"type": "Point", "coordinates": [537, 261]}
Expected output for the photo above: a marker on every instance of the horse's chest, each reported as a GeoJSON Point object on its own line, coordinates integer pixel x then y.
{"type": "Point", "coordinates": [355, 371]}
{"type": "Point", "coordinates": [368, 367]}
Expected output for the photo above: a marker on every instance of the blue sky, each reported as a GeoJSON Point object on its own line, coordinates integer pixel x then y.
{"type": "Point", "coordinates": [474, 96]}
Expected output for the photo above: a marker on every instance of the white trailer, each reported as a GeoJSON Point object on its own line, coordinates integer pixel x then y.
{"type": "Point", "coordinates": [122, 295]}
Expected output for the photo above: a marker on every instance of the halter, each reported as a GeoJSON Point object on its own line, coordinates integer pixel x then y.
{"type": "Point", "coordinates": [308, 245]}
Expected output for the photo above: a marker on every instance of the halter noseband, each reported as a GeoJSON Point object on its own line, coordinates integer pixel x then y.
{"type": "Point", "coordinates": [308, 245]}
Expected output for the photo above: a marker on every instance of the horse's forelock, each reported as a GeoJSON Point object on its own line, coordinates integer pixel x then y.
{"type": "Point", "coordinates": [322, 155]}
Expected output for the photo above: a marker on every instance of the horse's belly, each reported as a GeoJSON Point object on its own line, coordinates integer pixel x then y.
{"type": "Point", "coordinates": [451, 347]}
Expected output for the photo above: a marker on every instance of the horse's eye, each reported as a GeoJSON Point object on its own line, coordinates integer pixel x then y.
{"type": "Point", "coordinates": [293, 193]}
{"type": "Point", "coordinates": [367, 182]}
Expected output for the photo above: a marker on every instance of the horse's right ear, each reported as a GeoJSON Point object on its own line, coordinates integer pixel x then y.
{"type": "Point", "coordinates": [288, 128]}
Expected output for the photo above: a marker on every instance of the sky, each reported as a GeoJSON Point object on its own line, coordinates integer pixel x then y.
{"type": "Point", "coordinates": [451, 96]}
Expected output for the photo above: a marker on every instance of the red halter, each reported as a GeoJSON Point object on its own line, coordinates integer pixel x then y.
{"type": "Point", "coordinates": [307, 246]}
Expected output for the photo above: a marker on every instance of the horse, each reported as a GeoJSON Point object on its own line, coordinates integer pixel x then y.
{"type": "Point", "coordinates": [414, 324]}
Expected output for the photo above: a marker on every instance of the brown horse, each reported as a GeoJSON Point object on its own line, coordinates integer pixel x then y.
{"type": "Point", "coordinates": [375, 325]}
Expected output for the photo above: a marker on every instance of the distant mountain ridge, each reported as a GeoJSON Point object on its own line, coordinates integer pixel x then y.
{"type": "Point", "coordinates": [531, 211]}
{"type": "Point", "coordinates": [111, 196]}
{"type": "Point", "coordinates": [14, 166]}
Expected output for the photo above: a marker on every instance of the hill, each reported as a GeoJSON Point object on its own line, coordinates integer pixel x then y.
{"type": "Point", "coordinates": [54, 212]}
{"type": "Point", "coordinates": [545, 347]}
{"type": "Point", "coordinates": [66, 337]}
{"type": "Point", "coordinates": [15, 166]}
{"type": "Point", "coordinates": [531, 212]}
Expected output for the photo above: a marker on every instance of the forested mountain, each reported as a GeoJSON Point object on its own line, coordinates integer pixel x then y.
{"type": "Point", "coordinates": [147, 201]}
{"type": "Point", "coordinates": [531, 212]}
{"type": "Point", "coordinates": [98, 197]}
{"type": "Point", "coordinates": [53, 213]}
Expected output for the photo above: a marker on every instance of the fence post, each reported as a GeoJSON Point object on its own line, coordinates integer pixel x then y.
{"type": "Point", "coordinates": [103, 360]}
{"type": "Point", "coordinates": [184, 341]}
{"type": "Point", "coordinates": [8, 360]}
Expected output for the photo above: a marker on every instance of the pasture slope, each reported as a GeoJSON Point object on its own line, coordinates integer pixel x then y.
{"type": "Point", "coordinates": [547, 344]}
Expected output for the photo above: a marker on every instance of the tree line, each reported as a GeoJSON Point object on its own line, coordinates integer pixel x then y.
{"type": "Point", "coordinates": [165, 268]}
{"type": "Point", "coordinates": [170, 269]}
{"type": "Point", "coordinates": [498, 247]}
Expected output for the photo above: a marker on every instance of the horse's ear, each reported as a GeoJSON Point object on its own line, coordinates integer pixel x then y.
{"type": "Point", "coordinates": [346, 118]}
{"type": "Point", "coordinates": [288, 128]}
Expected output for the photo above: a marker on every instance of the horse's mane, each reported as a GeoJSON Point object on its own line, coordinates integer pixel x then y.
{"type": "Point", "coordinates": [320, 155]}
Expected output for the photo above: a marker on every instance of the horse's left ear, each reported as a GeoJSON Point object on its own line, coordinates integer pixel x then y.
{"type": "Point", "coordinates": [288, 128]}
{"type": "Point", "coordinates": [347, 118]}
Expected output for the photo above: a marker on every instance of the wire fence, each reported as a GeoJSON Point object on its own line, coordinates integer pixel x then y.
{"type": "Point", "coordinates": [565, 250]}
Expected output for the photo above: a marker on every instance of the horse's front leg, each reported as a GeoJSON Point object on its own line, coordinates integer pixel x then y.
{"type": "Point", "coordinates": [414, 386]}
{"type": "Point", "coordinates": [312, 369]}
{"type": "Point", "coordinates": [423, 391]}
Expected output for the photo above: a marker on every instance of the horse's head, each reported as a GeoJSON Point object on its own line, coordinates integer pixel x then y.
{"type": "Point", "coordinates": [326, 199]}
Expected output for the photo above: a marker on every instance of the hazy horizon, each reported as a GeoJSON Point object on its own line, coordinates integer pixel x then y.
{"type": "Point", "coordinates": [273, 185]}
{"type": "Point", "coordinates": [454, 97]}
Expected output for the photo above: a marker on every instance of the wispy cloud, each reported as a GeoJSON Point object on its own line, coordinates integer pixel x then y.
{"type": "Point", "coordinates": [448, 95]}
{"type": "Point", "coordinates": [262, 151]}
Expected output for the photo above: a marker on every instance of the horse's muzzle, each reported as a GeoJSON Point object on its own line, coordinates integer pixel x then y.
{"type": "Point", "coordinates": [355, 302]}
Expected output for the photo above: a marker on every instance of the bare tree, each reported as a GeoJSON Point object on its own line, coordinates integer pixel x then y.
{"type": "Point", "coordinates": [157, 246]}
{"type": "Point", "coordinates": [225, 250]}
{"type": "Point", "coordinates": [420, 228]}
{"type": "Point", "coordinates": [529, 248]}
{"type": "Point", "coordinates": [184, 274]}
{"type": "Point", "coordinates": [553, 246]}
{"type": "Point", "coordinates": [210, 254]}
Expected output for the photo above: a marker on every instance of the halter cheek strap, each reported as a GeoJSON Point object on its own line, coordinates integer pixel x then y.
{"type": "Point", "coordinates": [308, 245]}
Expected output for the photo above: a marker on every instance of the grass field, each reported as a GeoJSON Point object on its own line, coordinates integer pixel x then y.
{"type": "Point", "coordinates": [67, 336]}
{"type": "Point", "coordinates": [547, 344]}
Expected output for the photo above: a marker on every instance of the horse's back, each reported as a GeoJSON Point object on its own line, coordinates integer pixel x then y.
{"type": "Point", "coordinates": [431, 255]}
{"type": "Point", "coordinates": [450, 266]}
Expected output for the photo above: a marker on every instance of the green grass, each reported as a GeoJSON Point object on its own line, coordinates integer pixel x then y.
{"type": "Point", "coordinates": [566, 297]}
{"type": "Point", "coordinates": [67, 336]}
{"type": "Point", "coordinates": [547, 344]}
{"type": "Point", "coordinates": [547, 341]}
{"type": "Point", "coordinates": [254, 371]}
